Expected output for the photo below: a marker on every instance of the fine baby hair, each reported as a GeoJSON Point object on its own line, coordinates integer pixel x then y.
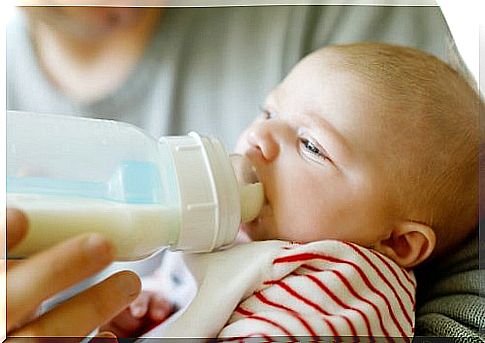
{"type": "Point", "coordinates": [432, 123]}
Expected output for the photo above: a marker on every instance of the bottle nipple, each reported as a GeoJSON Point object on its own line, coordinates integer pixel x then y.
{"type": "Point", "coordinates": [250, 189]}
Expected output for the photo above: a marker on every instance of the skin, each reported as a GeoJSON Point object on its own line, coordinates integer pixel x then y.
{"type": "Point", "coordinates": [315, 161]}
{"type": "Point", "coordinates": [89, 52]}
{"type": "Point", "coordinates": [30, 282]}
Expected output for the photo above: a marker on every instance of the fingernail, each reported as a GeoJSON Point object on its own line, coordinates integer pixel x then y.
{"type": "Point", "coordinates": [129, 283]}
{"type": "Point", "coordinates": [97, 246]}
{"type": "Point", "coordinates": [104, 337]}
{"type": "Point", "coordinates": [17, 224]}
{"type": "Point", "coordinates": [106, 334]}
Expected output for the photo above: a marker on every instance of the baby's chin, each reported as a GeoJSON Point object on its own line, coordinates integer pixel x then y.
{"type": "Point", "coordinates": [255, 230]}
{"type": "Point", "coordinates": [252, 231]}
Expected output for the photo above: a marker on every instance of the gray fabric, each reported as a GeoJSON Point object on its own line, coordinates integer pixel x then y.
{"type": "Point", "coordinates": [450, 300]}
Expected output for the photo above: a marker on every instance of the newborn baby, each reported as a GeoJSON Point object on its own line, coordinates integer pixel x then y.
{"type": "Point", "coordinates": [368, 154]}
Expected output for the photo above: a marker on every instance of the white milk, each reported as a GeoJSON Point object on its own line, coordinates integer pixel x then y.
{"type": "Point", "coordinates": [252, 199]}
{"type": "Point", "coordinates": [135, 230]}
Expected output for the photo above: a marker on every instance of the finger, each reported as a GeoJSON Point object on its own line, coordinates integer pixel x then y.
{"type": "Point", "coordinates": [160, 308]}
{"type": "Point", "coordinates": [52, 271]}
{"type": "Point", "coordinates": [12, 263]}
{"type": "Point", "coordinates": [119, 332]}
{"type": "Point", "coordinates": [139, 307]}
{"type": "Point", "coordinates": [16, 226]}
{"type": "Point", "coordinates": [81, 314]}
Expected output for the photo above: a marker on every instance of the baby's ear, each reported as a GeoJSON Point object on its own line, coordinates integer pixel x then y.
{"type": "Point", "coordinates": [409, 244]}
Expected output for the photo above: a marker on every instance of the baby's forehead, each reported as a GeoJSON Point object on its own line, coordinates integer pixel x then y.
{"type": "Point", "coordinates": [368, 87]}
{"type": "Point", "coordinates": [361, 115]}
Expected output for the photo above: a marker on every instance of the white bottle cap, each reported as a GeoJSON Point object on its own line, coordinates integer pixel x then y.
{"type": "Point", "coordinates": [209, 194]}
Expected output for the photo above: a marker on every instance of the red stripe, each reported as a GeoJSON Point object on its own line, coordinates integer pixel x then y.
{"type": "Point", "coordinates": [311, 256]}
{"type": "Point", "coordinates": [262, 335]}
{"type": "Point", "coordinates": [269, 321]}
{"type": "Point", "coordinates": [251, 315]}
{"type": "Point", "coordinates": [312, 268]}
{"type": "Point", "coordinates": [229, 339]}
{"type": "Point", "coordinates": [244, 312]}
{"type": "Point", "coordinates": [340, 302]}
{"type": "Point", "coordinates": [241, 339]}
{"type": "Point", "coordinates": [266, 301]}
{"type": "Point", "coordinates": [386, 281]}
{"type": "Point", "coordinates": [410, 279]}
{"type": "Point", "coordinates": [399, 280]}
{"type": "Point", "coordinates": [272, 282]}
{"type": "Point", "coordinates": [353, 292]}
{"type": "Point", "coordinates": [317, 307]}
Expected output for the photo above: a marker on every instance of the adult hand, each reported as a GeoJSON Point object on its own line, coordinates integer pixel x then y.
{"type": "Point", "coordinates": [31, 281]}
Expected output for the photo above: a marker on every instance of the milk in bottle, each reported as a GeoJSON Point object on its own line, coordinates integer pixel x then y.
{"type": "Point", "coordinates": [74, 175]}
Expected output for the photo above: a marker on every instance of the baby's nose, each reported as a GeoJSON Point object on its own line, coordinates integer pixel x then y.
{"type": "Point", "coordinates": [262, 138]}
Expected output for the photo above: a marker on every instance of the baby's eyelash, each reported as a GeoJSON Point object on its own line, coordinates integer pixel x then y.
{"type": "Point", "coordinates": [267, 114]}
{"type": "Point", "coordinates": [314, 150]}
{"type": "Point", "coordinates": [310, 147]}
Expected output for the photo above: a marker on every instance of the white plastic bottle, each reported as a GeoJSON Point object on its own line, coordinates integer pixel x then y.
{"type": "Point", "coordinates": [72, 175]}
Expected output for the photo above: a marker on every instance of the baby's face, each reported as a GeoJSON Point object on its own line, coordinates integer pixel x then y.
{"type": "Point", "coordinates": [318, 151]}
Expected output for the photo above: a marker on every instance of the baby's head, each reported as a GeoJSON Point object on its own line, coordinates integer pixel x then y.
{"type": "Point", "coordinates": [369, 143]}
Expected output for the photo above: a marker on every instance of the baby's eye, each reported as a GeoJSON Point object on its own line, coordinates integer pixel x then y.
{"type": "Point", "coordinates": [313, 149]}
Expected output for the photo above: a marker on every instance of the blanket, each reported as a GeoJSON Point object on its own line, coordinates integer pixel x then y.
{"type": "Point", "coordinates": [449, 300]}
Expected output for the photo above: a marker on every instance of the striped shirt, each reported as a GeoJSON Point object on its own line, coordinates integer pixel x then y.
{"type": "Point", "coordinates": [266, 289]}
{"type": "Point", "coordinates": [328, 288]}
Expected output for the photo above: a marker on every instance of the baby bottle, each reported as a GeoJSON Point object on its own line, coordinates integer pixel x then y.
{"type": "Point", "coordinates": [72, 175]}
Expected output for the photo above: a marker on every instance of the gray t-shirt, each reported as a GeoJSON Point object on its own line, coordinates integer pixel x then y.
{"type": "Point", "coordinates": [209, 69]}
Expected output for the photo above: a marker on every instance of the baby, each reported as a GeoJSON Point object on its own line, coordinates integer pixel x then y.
{"type": "Point", "coordinates": [368, 154]}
